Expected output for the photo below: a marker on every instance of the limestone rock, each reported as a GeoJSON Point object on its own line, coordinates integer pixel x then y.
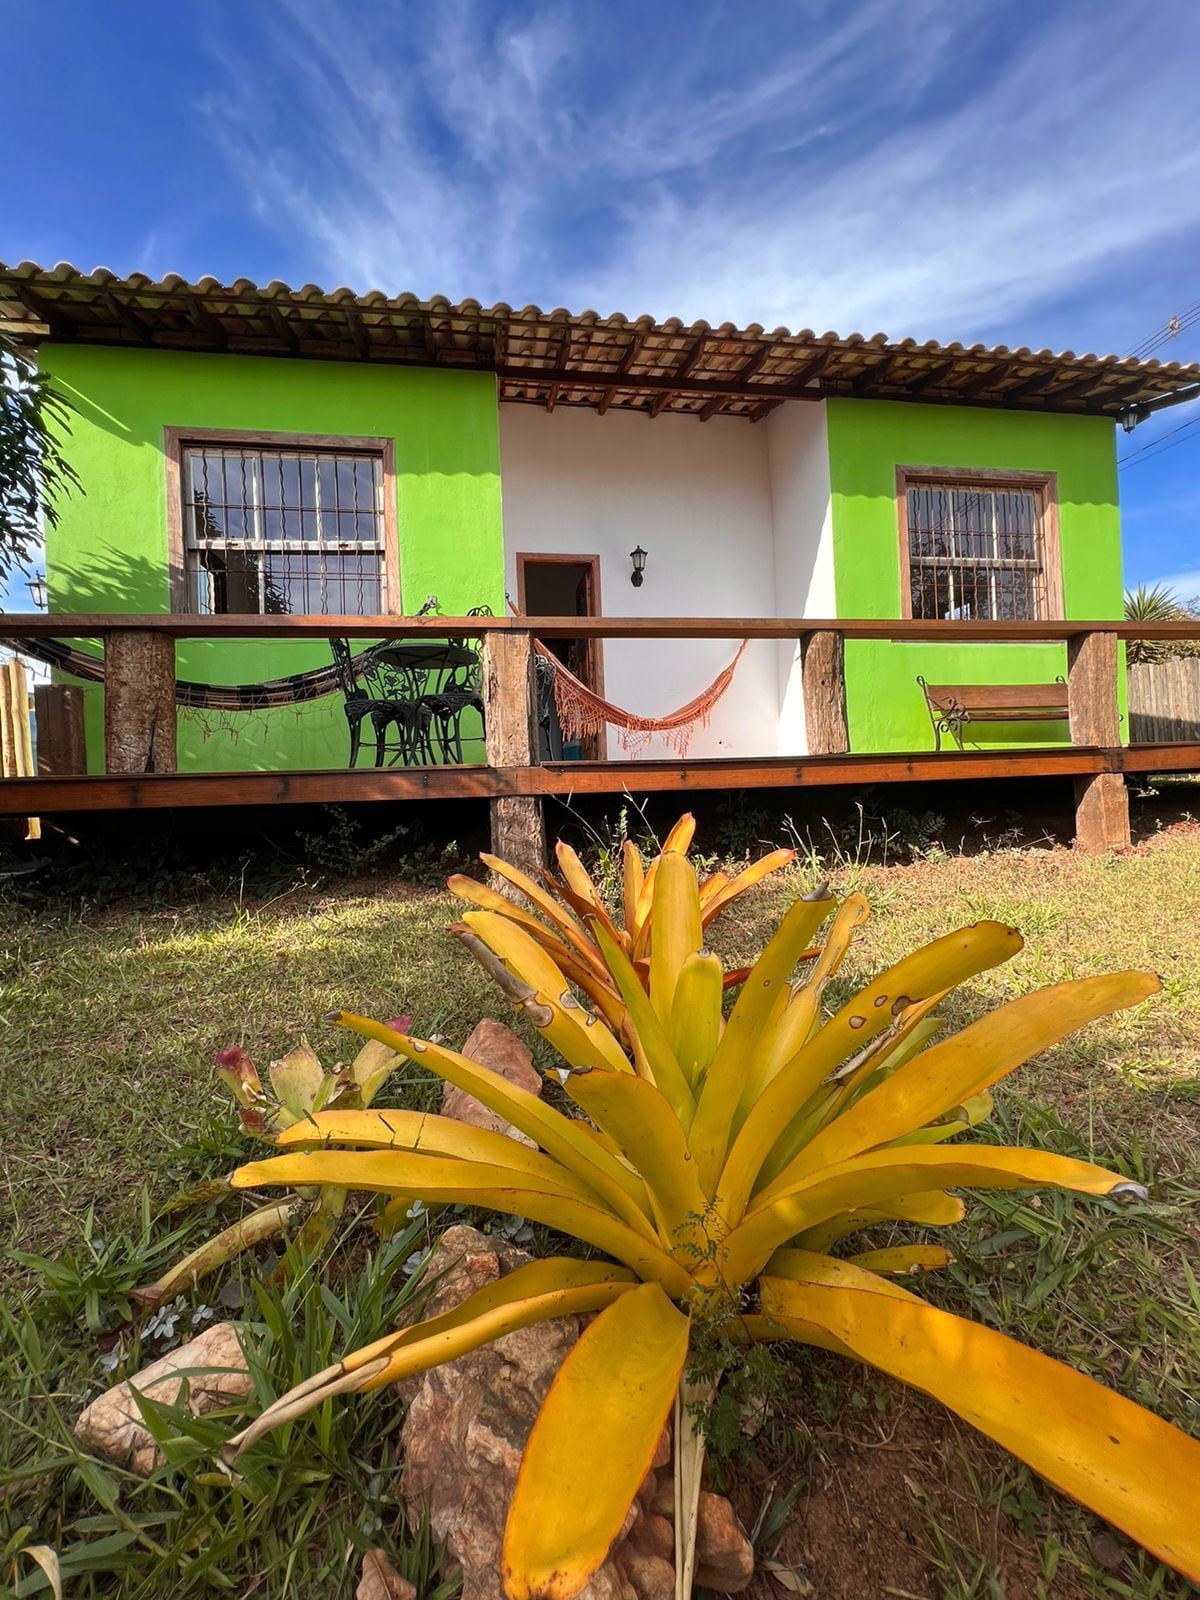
{"type": "Point", "coordinates": [379, 1580]}
{"type": "Point", "coordinates": [495, 1046]}
{"type": "Point", "coordinates": [112, 1425]}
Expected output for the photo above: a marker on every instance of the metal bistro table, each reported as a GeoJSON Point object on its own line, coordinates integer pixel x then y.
{"type": "Point", "coordinates": [439, 679]}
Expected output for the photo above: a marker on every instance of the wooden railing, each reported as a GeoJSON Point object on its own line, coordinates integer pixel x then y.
{"type": "Point", "coordinates": [140, 671]}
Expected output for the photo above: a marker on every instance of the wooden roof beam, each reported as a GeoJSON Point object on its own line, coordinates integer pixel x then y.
{"type": "Point", "coordinates": [359, 334]}
{"type": "Point", "coordinates": [1034, 385]}
{"type": "Point", "coordinates": [764, 409]}
{"type": "Point", "coordinates": [50, 312]}
{"type": "Point", "coordinates": [606, 399]}
{"type": "Point", "coordinates": [662, 399]}
{"type": "Point", "coordinates": [283, 328]}
{"type": "Point", "coordinates": [880, 372]}
{"type": "Point", "coordinates": [927, 380]}
{"type": "Point", "coordinates": [579, 379]}
{"type": "Point", "coordinates": [126, 316]}
{"type": "Point", "coordinates": [756, 362]}
{"type": "Point", "coordinates": [205, 322]}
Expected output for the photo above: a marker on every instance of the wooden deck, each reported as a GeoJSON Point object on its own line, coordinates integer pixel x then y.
{"type": "Point", "coordinates": [140, 725]}
{"type": "Point", "coordinates": [157, 791]}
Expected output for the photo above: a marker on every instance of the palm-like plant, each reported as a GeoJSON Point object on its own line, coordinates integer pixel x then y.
{"type": "Point", "coordinates": [720, 1164]}
{"type": "Point", "coordinates": [1156, 603]}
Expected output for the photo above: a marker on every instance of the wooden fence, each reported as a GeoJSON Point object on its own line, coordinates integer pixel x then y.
{"type": "Point", "coordinates": [16, 733]}
{"type": "Point", "coordinates": [1164, 701]}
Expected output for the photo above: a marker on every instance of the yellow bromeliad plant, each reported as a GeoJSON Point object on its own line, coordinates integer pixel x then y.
{"type": "Point", "coordinates": [716, 1164]}
{"type": "Point", "coordinates": [571, 906]}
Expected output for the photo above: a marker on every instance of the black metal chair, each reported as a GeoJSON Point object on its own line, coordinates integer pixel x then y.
{"type": "Point", "coordinates": [381, 710]}
{"type": "Point", "coordinates": [460, 691]}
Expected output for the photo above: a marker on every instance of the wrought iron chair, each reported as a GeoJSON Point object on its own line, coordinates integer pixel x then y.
{"type": "Point", "coordinates": [460, 691]}
{"type": "Point", "coordinates": [381, 710]}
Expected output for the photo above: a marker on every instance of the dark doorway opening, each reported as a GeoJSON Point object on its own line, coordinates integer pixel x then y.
{"type": "Point", "coordinates": [565, 586]}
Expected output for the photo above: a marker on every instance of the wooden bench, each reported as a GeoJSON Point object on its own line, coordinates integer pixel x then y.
{"type": "Point", "coordinates": [952, 706]}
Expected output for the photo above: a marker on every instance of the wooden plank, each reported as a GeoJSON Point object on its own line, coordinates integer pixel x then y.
{"type": "Point", "coordinates": [823, 675]}
{"type": "Point", "coordinates": [980, 697]}
{"type": "Point", "coordinates": [518, 824]}
{"type": "Point", "coordinates": [139, 702]}
{"type": "Point", "coordinates": [89, 625]}
{"type": "Point", "coordinates": [61, 747]}
{"type": "Point", "coordinates": [187, 790]}
{"type": "Point", "coordinates": [165, 791]}
{"type": "Point", "coordinates": [1101, 802]}
{"type": "Point", "coordinates": [806, 772]}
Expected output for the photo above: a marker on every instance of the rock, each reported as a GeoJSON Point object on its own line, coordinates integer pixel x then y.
{"type": "Point", "coordinates": [1108, 1551]}
{"type": "Point", "coordinates": [466, 1427]}
{"type": "Point", "coordinates": [654, 1536]}
{"type": "Point", "coordinates": [379, 1580]}
{"type": "Point", "coordinates": [724, 1555]}
{"type": "Point", "coordinates": [468, 1422]}
{"type": "Point", "coordinates": [495, 1046]}
{"type": "Point", "coordinates": [112, 1425]}
{"type": "Point", "coordinates": [651, 1576]}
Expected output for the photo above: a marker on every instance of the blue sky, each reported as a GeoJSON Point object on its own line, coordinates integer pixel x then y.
{"type": "Point", "coordinates": [992, 170]}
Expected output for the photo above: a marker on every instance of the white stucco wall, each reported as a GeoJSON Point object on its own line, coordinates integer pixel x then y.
{"type": "Point", "coordinates": [696, 496]}
{"type": "Point", "coordinates": [798, 461]}
{"type": "Point", "coordinates": [735, 520]}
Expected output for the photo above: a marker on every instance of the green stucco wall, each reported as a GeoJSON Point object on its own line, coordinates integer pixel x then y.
{"type": "Point", "coordinates": [109, 551]}
{"type": "Point", "coordinates": [868, 440]}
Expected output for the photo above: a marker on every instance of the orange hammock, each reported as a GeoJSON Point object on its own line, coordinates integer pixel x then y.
{"type": "Point", "coordinates": [581, 711]}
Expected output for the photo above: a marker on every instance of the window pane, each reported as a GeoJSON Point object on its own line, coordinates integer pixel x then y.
{"type": "Point", "coordinates": [283, 531]}
{"type": "Point", "coordinates": [974, 553]}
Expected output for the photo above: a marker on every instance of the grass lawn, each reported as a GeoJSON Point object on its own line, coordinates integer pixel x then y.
{"type": "Point", "coordinates": [108, 1021]}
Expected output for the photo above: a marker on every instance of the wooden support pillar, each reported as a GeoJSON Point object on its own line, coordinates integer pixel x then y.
{"type": "Point", "coordinates": [139, 702]}
{"type": "Point", "coordinates": [1101, 802]}
{"type": "Point", "coordinates": [823, 674]}
{"type": "Point", "coordinates": [61, 748]}
{"type": "Point", "coordinates": [518, 821]}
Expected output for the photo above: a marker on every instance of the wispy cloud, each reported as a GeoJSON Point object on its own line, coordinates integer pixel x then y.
{"type": "Point", "coordinates": [832, 166]}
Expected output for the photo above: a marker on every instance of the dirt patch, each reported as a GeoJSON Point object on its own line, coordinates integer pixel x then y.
{"type": "Point", "coordinates": [885, 1509]}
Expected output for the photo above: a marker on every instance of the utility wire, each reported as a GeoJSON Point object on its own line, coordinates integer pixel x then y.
{"type": "Point", "coordinates": [1171, 329]}
{"type": "Point", "coordinates": [1158, 447]}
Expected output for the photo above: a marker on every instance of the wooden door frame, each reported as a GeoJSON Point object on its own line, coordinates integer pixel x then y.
{"type": "Point", "coordinates": [595, 647]}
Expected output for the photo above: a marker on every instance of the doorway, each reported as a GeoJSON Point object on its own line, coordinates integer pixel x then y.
{"type": "Point", "coordinates": [566, 586]}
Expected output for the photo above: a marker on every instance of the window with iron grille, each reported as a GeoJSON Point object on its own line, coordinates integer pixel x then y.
{"type": "Point", "coordinates": [978, 549]}
{"type": "Point", "coordinates": [283, 530]}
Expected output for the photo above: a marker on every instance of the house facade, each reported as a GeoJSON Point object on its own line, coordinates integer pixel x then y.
{"type": "Point", "coordinates": [243, 450]}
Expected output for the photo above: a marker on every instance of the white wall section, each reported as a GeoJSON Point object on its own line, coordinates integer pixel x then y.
{"type": "Point", "coordinates": [734, 518]}
{"type": "Point", "coordinates": [798, 458]}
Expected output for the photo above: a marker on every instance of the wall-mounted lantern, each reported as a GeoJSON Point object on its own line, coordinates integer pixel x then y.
{"type": "Point", "coordinates": [37, 591]}
{"type": "Point", "coordinates": [638, 557]}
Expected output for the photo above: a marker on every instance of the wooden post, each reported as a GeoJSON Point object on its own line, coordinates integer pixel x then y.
{"type": "Point", "coordinates": [139, 702]}
{"type": "Point", "coordinates": [823, 674]}
{"type": "Point", "coordinates": [1102, 801]}
{"type": "Point", "coordinates": [518, 822]}
{"type": "Point", "coordinates": [61, 748]}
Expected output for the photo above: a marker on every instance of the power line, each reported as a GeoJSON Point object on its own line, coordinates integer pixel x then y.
{"type": "Point", "coordinates": [1171, 329]}
{"type": "Point", "coordinates": [1158, 447]}
{"type": "Point", "coordinates": [1152, 444]}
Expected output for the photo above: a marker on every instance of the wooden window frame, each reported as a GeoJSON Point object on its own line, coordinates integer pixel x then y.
{"type": "Point", "coordinates": [1042, 484]}
{"type": "Point", "coordinates": [177, 440]}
